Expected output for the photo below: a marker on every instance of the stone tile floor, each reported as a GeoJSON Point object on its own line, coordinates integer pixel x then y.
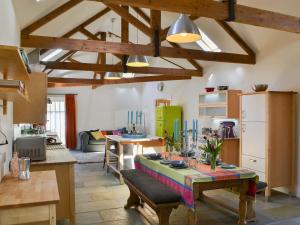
{"type": "Point", "coordinates": [100, 200]}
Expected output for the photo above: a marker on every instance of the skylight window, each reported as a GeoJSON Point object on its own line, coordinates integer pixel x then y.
{"type": "Point", "coordinates": [207, 44]}
{"type": "Point", "coordinates": [51, 55]}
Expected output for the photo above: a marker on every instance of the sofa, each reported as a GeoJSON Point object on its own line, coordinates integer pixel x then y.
{"type": "Point", "coordinates": [89, 144]}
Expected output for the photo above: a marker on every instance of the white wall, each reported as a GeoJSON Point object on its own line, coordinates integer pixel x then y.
{"type": "Point", "coordinates": [9, 35]}
{"type": "Point", "coordinates": [105, 107]}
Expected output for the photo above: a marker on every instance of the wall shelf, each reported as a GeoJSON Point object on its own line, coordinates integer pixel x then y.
{"type": "Point", "coordinates": [12, 65]}
{"type": "Point", "coordinates": [219, 104]}
{"type": "Point", "coordinates": [12, 94]}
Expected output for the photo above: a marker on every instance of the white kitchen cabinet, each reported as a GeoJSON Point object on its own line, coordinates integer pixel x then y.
{"type": "Point", "coordinates": [267, 143]}
{"type": "Point", "coordinates": [254, 108]}
{"type": "Point", "coordinates": [254, 138]}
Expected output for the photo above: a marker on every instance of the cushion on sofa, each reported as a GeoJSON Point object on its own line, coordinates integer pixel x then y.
{"type": "Point", "coordinates": [97, 135]}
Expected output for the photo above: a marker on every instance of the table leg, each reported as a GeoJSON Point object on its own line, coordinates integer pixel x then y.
{"type": "Point", "coordinates": [251, 215]}
{"type": "Point", "coordinates": [121, 162]}
{"type": "Point", "coordinates": [243, 203]}
{"type": "Point", "coordinates": [107, 155]}
{"type": "Point", "coordinates": [192, 217]}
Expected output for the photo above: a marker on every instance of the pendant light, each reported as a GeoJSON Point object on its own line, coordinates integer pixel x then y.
{"type": "Point", "coordinates": [183, 31]}
{"type": "Point", "coordinates": [112, 75]}
{"type": "Point", "coordinates": [137, 60]}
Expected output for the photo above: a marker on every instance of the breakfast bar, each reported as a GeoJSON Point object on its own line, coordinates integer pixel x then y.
{"type": "Point", "coordinates": [119, 141]}
{"type": "Point", "coordinates": [62, 162]}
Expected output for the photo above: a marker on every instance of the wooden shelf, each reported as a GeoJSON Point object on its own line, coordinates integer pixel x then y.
{"type": "Point", "coordinates": [12, 94]}
{"type": "Point", "coordinates": [11, 63]}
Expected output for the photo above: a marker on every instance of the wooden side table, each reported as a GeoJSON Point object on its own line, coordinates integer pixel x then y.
{"type": "Point", "coordinates": [29, 202]}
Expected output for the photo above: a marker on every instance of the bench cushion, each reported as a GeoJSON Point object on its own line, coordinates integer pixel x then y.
{"type": "Point", "coordinates": [151, 188]}
{"type": "Point", "coordinates": [260, 185]}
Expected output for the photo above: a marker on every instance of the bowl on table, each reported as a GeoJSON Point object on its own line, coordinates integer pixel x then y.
{"type": "Point", "coordinates": [259, 87]}
{"type": "Point", "coordinates": [222, 88]}
{"type": "Point", "coordinates": [209, 89]}
{"type": "Point", "coordinates": [154, 156]}
{"type": "Point", "coordinates": [179, 164]}
{"type": "Point", "coordinates": [207, 161]}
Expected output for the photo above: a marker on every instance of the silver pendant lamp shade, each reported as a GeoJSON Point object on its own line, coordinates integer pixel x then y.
{"type": "Point", "coordinates": [183, 31]}
{"type": "Point", "coordinates": [137, 61]}
{"type": "Point", "coordinates": [112, 76]}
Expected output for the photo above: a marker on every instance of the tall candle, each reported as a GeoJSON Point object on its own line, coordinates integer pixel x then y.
{"type": "Point", "coordinates": [193, 130]}
{"type": "Point", "coordinates": [131, 117]}
{"type": "Point", "coordinates": [196, 130]}
{"type": "Point", "coordinates": [128, 117]}
{"type": "Point", "coordinates": [185, 128]}
{"type": "Point", "coordinates": [141, 116]}
{"type": "Point", "coordinates": [136, 117]}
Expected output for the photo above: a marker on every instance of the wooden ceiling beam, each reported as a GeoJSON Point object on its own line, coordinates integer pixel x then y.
{"type": "Point", "coordinates": [142, 14]}
{"type": "Point", "coordinates": [219, 10]}
{"type": "Point", "coordinates": [131, 49]}
{"type": "Point", "coordinates": [61, 85]}
{"type": "Point", "coordinates": [101, 59]}
{"type": "Point", "coordinates": [50, 16]}
{"type": "Point", "coordinates": [119, 68]}
{"type": "Point", "coordinates": [236, 37]}
{"type": "Point", "coordinates": [79, 81]}
{"type": "Point", "coordinates": [155, 18]}
{"type": "Point", "coordinates": [124, 14]}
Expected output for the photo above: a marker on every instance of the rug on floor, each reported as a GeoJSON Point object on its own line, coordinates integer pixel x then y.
{"type": "Point", "coordinates": [88, 157]}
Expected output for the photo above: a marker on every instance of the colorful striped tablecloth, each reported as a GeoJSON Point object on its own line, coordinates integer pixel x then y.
{"type": "Point", "coordinates": [182, 180]}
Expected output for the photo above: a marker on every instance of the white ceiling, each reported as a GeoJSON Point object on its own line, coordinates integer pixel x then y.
{"type": "Point", "coordinates": [29, 11]}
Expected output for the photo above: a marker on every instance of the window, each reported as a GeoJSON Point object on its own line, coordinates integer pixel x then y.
{"type": "Point", "coordinates": [207, 44]}
{"type": "Point", "coordinates": [56, 116]}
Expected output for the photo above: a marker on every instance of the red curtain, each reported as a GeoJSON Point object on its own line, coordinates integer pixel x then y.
{"type": "Point", "coordinates": [71, 135]}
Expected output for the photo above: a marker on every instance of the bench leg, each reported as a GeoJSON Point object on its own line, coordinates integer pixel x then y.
{"type": "Point", "coordinates": [164, 215]}
{"type": "Point", "coordinates": [133, 200]}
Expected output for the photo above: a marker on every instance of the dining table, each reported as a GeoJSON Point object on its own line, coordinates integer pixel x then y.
{"type": "Point", "coordinates": [192, 181]}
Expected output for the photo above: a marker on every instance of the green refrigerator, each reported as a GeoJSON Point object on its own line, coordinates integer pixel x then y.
{"type": "Point", "coordinates": [165, 117]}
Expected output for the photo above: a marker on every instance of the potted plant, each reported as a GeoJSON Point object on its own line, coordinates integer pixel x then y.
{"type": "Point", "coordinates": [212, 147]}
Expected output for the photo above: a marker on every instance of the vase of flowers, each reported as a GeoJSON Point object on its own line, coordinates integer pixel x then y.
{"type": "Point", "coordinates": [212, 147]}
{"type": "Point", "coordinates": [172, 144]}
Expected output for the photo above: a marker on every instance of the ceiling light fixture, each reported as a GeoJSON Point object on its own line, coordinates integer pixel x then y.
{"type": "Point", "coordinates": [137, 60]}
{"type": "Point", "coordinates": [183, 30]}
{"type": "Point", "coordinates": [112, 75]}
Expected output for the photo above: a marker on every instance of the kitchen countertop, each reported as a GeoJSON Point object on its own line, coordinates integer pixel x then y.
{"type": "Point", "coordinates": [57, 156]}
{"type": "Point", "coordinates": [40, 189]}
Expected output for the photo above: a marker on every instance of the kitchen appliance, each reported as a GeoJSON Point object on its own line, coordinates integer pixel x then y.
{"type": "Point", "coordinates": [24, 166]}
{"type": "Point", "coordinates": [226, 129]}
{"type": "Point", "coordinates": [32, 147]}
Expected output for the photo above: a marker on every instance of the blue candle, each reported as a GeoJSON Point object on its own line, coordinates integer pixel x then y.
{"type": "Point", "coordinates": [193, 130]}
{"type": "Point", "coordinates": [136, 117]}
{"type": "Point", "coordinates": [196, 130]}
{"type": "Point", "coordinates": [131, 117]}
{"type": "Point", "coordinates": [141, 116]}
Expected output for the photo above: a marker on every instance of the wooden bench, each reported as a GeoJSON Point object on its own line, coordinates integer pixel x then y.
{"type": "Point", "coordinates": [144, 188]}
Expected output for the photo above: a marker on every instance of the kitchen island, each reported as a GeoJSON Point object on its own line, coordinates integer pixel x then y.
{"type": "Point", "coordinates": [59, 159]}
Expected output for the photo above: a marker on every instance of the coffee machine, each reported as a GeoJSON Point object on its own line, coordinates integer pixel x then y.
{"type": "Point", "coordinates": [226, 129]}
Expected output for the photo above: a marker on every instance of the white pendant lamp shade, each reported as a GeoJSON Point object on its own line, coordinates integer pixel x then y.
{"type": "Point", "coordinates": [112, 76]}
{"type": "Point", "coordinates": [183, 31]}
{"type": "Point", "coordinates": [137, 61]}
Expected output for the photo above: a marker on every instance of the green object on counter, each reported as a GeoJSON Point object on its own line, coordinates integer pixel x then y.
{"type": "Point", "coordinates": [165, 117]}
